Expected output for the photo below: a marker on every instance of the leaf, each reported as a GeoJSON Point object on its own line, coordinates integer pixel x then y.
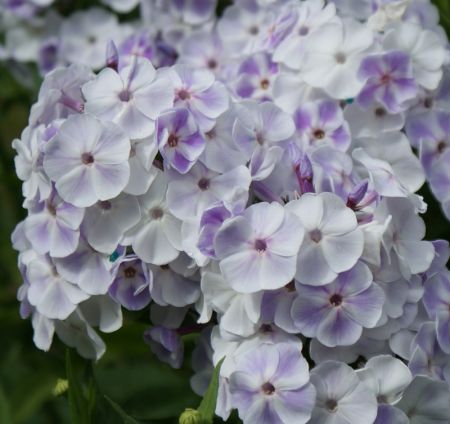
{"type": "Point", "coordinates": [208, 404]}
{"type": "Point", "coordinates": [125, 417]}
{"type": "Point", "coordinates": [5, 415]}
{"type": "Point", "coordinates": [78, 403]}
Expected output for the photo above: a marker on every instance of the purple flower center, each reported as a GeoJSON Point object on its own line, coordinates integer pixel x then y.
{"type": "Point", "coordinates": [129, 272]}
{"type": "Point", "coordinates": [331, 405]}
{"type": "Point", "coordinates": [157, 213]}
{"type": "Point", "coordinates": [315, 235]}
{"type": "Point", "coordinates": [319, 134]}
{"type": "Point", "coordinates": [265, 83]}
{"type": "Point", "coordinates": [442, 145]}
{"type": "Point", "coordinates": [211, 134]}
{"type": "Point", "coordinates": [336, 300]}
{"type": "Point", "coordinates": [212, 63]}
{"type": "Point", "coordinates": [428, 102]}
{"type": "Point", "coordinates": [183, 94]}
{"type": "Point", "coordinates": [203, 184]}
{"type": "Point", "coordinates": [172, 140]}
{"type": "Point", "coordinates": [260, 245]}
{"type": "Point", "coordinates": [260, 138]}
{"type": "Point", "coordinates": [382, 399]}
{"type": "Point", "coordinates": [87, 158]}
{"type": "Point", "coordinates": [51, 209]}
{"type": "Point", "coordinates": [303, 30]}
{"type": "Point", "coordinates": [268, 388]}
{"type": "Point", "coordinates": [253, 30]}
{"type": "Point", "coordinates": [385, 79]}
{"type": "Point", "coordinates": [105, 205]}
{"type": "Point", "coordinates": [341, 58]}
{"type": "Point", "coordinates": [125, 95]}
{"type": "Point", "coordinates": [380, 112]}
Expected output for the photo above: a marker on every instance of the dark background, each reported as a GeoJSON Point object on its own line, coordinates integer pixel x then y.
{"type": "Point", "coordinates": [128, 373]}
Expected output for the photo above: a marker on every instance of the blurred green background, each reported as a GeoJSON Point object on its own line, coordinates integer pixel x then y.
{"type": "Point", "coordinates": [128, 373]}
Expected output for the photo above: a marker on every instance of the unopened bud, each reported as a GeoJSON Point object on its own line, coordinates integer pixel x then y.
{"type": "Point", "coordinates": [191, 416]}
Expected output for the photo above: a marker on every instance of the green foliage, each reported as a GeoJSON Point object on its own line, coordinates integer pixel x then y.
{"type": "Point", "coordinates": [208, 404]}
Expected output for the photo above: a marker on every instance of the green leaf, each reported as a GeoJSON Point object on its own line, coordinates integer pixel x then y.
{"type": "Point", "coordinates": [125, 417]}
{"type": "Point", "coordinates": [5, 415]}
{"type": "Point", "coordinates": [207, 406]}
{"type": "Point", "coordinates": [78, 403]}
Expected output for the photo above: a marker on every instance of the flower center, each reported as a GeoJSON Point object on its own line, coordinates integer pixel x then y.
{"type": "Point", "coordinates": [385, 79]}
{"type": "Point", "coordinates": [203, 184]}
{"type": "Point", "coordinates": [259, 139]}
{"type": "Point", "coordinates": [268, 388]}
{"type": "Point", "coordinates": [380, 112]}
{"type": "Point", "coordinates": [183, 94]}
{"type": "Point", "coordinates": [303, 31]}
{"type": "Point", "coordinates": [428, 103]}
{"type": "Point", "coordinates": [341, 58]}
{"type": "Point", "coordinates": [319, 134]}
{"type": "Point", "coordinates": [51, 209]}
{"type": "Point", "coordinates": [331, 405]}
{"type": "Point", "coordinates": [253, 30]}
{"type": "Point", "coordinates": [315, 235]}
{"type": "Point", "coordinates": [212, 64]}
{"type": "Point", "coordinates": [157, 213]}
{"type": "Point", "coordinates": [260, 245]}
{"type": "Point", "coordinates": [87, 158]}
{"type": "Point", "coordinates": [441, 146]}
{"type": "Point", "coordinates": [382, 399]}
{"type": "Point", "coordinates": [125, 95]}
{"type": "Point", "coordinates": [172, 140]}
{"type": "Point", "coordinates": [336, 300]}
{"type": "Point", "coordinates": [105, 205]}
{"type": "Point", "coordinates": [129, 272]}
{"type": "Point", "coordinates": [265, 84]}
{"type": "Point", "coordinates": [211, 134]}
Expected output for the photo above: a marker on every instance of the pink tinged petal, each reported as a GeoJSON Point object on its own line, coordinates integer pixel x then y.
{"type": "Point", "coordinates": [371, 66]}
{"type": "Point", "coordinates": [354, 281]}
{"type": "Point", "coordinates": [265, 218]}
{"type": "Point", "coordinates": [338, 329]}
{"type": "Point", "coordinates": [211, 102]}
{"type": "Point", "coordinates": [152, 245]}
{"type": "Point", "coordinates": [312, 267]}
{"type": "Point", "coordinates": [135, 123]}
{"type": "Point", "coordinates": [278, 125]}
{"type": "Point", "coordinates": [367, 95]}
{"type": "Point", "coordinates": [309, 309]}
{"type": "Point", "coordinates": [295, 406]}
{"type": "Point", "coordinates": [293, 371]}
{"type": "Point", "coordinates": [337, 218]}
{"type": "Point", "coordinates": [309, 208]}
{"type": "Point", "coordinates": [109, 180]}
{"type": "Point", "coordinates": [37, 230]}
{"type": "Point", "coordinates": [342, 252]}
{"type": "Point", "coordinates": [77, 187]}
{"type": "Point", "coordinates": [63, 240]}
{"type": "Point", "coordinates": [288, 238]}
{"type": "Point", "coordinates": [112, 146]}
{"type": "Point", "coordinates": [180, 163]}
{"type": "Point", "coordinates": [261, 363]}
{"type": "Point", "coordinates": [234, 236]}
{"type": "Point", "coordinates": [366, 307]}
{"type": "Point", "coordinates": [155, 98]}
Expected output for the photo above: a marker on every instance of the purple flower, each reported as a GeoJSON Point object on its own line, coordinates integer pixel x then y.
{"type": "Point", "coordinates": [341, 397]}
{"type": "Point", "coordinates": [179, 139]}
{"type": "Point", "coordinates": [166, 344]}
{"type": "Point", "coordinates": [390, 80]}
{"type": "Point", "coordinates": [88, 160]}
{"type": "Point", "coordinates": [322, 122]}
{"type": "Point", "coordinates": [131, 285]}
{"type": "Point", "coordinates": [197, 90]}
{"type": "Point", "coordinates": [191, 194]}
{"type": "Point", "coordinates": [54, 227]}
{"type": "Point", "coordinates": [333, 242]}
{"type": "Point", "coordinates": [336, 313]}
{"type": "Point", "coordinates": [437, 303]}
{"type": "Point", "coordinates": [51, 294]}
{"type": "Point", "coordinates": [132, 98]}
{"type": "Point", "coordinates": [271, 386]}
{"type": "Point", "coordinates": [255, 77]}
{"type": "Point", "coordinates": [258, 250]}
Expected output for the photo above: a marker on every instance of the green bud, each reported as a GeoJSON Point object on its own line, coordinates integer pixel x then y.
{"type": "Point", "coordinates": [191, 416]}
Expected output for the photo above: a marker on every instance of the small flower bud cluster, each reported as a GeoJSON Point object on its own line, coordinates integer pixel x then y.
{"type": "Point", "coordinates": [252, 178]}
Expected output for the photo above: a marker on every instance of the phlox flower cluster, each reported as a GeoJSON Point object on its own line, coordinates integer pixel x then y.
{"type": "Point", "coordinates": [251, 178]}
